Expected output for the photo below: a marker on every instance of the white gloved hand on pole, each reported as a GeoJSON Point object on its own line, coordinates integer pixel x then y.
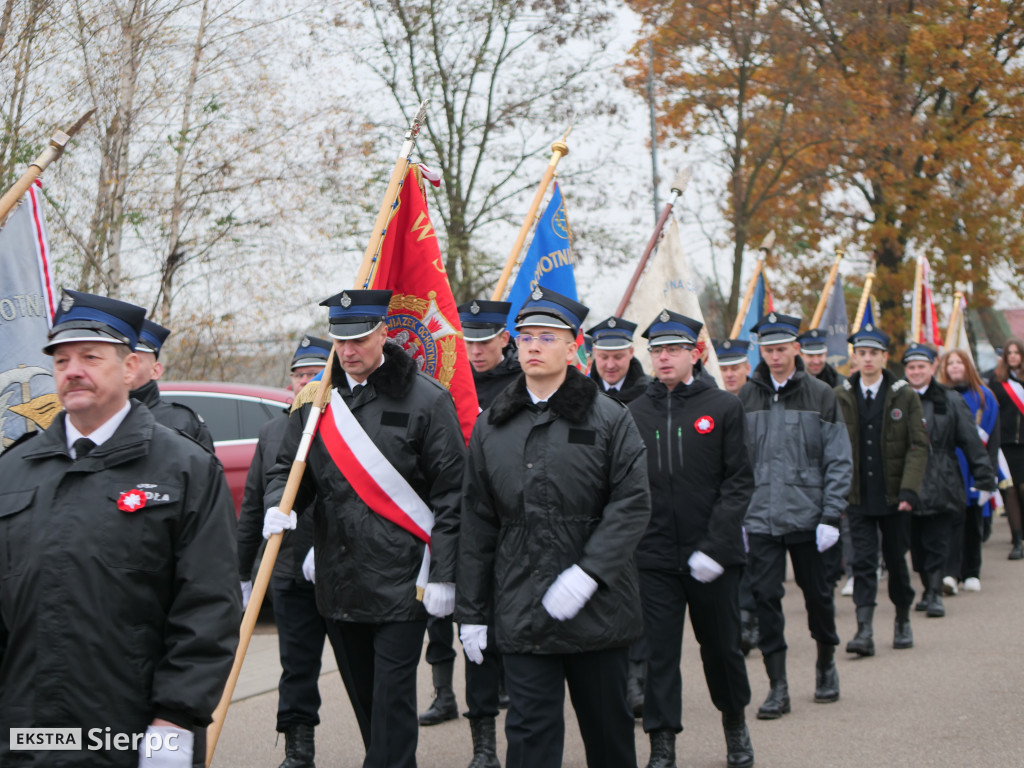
{"type": "Point", "coordinates": [277, 522]}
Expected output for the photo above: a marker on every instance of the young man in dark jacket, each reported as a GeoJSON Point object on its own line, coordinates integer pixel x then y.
{"type": "Point", "coordinates": [890, 452]}
{"type": "Point", "coordinates": [554, 503]}
{"type": "Point", "coordinates": [950, 426]}
{"type": "Point", "coordinates": [120, 604]}
{"type": "Point", "coordinates": [398, 427]}
{"type": "Point", "coordinates": [493, 359]}
{"type": "Point", "coordinates": [692, 553]}
{"type": "Point", "coordinates": [802, 466]}
{"type": "Point", "coordinates": [615, 368]}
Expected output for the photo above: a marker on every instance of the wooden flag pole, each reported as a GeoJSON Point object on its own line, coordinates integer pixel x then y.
{"type": "Point", "coordinates": [558, 150]}
{"type": "Point", "coordinates": [323, 394]}
{"type": "Point", "coordinates": [58, 142]}
{"type": "Point", "coordinates": [678, 187]}
{"type": "Point", "coordinates": [954, 318]}
{"type": "Point", "coordinates": [865, 297]}
{"type": "Point", "coordinates": [829, 283]}
{"type": "Point", "coordinates": [915, 307]}
{"type": "Point", "coordinates": [765, 250]}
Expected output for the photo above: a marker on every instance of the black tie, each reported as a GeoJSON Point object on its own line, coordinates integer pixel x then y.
{"type": "Point", "coordinates": [357, 389]}
{"type": "Point", "coordinates": [541, 406]}
{"type": "Point", "coordinates": [868, 397]}
{"type": "Point", "coordinates": [82, 447]}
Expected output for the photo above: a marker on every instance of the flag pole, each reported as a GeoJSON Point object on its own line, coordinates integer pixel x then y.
{"type": "Point", "coordinates": [954, 318]}
{"type": "Point", "coordinates": [829, 283]}
{"type": "Point", "coordinates": [915, 320]}
{"type": "Point", "coordinates": [558, 150]}
{"type": "Point", "coordinates": [765, 250]}
{"type": "Point", "coordinates": [58, 141]}
{"type": "Point", "coordinates": [273, 546]}
{"type": "Point", "coordinates": [865, 297]}
{"type": "Point", "coordinates": [678, 187]}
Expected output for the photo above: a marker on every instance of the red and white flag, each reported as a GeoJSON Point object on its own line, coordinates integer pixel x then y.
{"type": "Point", "coordinates": [929, 332]}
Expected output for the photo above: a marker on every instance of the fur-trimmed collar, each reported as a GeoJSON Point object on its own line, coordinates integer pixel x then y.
{"type": "Point", "coordinates": [394, 377]}
{"type": "Point", "coordinates": [572, 401]}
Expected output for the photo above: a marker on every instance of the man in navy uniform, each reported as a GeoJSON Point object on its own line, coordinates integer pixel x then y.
{"type": "Point", "coordinates": [145, 389]}
{"type": "Point", "coordinates": [692, 553]}
{"type": "Point", "coordinates": [802, 466]}
{"type": "Point", "coordinates": [615, 368]}
{"type": "Point", "coordinates": [301, 629]}
{"type": "Point", "coordinates": [814, 353]}
{"type": "Point", "coordinates": [554, 503]}
{"type": "Point", "coordinates": [119, 605]}
{"type": "Point", "coordinates": [491, 356]}
{"type": "Point", "coordinates": [369, 551]}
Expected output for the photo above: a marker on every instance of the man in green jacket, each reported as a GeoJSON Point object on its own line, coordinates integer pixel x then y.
{"type": "Point", "coordinates": [890, 452]}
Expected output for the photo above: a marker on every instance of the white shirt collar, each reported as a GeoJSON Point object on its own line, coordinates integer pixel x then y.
{"type": "Point", "coordinates": [535, 398]}
{"type": "Point", "coordinates": [609, 387]}
{"type": "Point", "coordinates": [873, 389]}
{"type": "Point", "coordinates": [923, 389]}
{"type": "Point", "coordinates": [780, 385]}
{"type": "Point", "coordinates": [101, 434]}
{"type": "Point", "coordinates": [352, 383]}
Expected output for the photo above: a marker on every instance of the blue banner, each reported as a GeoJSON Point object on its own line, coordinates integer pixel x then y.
{"type": "Point", "coordinates": [758, 309]}
{"type": "Point", "coordinates": [836, 325]}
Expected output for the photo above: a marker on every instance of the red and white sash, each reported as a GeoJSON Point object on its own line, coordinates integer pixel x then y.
{"type": "Point", "coordinates": [1016, 393]}
{"type": "Point", "coordinates": [381, 487]}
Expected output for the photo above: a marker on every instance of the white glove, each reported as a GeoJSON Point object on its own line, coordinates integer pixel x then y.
{"type": "Point", "coordinates": [703, 568]}
{"type": "Point", "coordinates": [439, 599]}
{"type": "Point", "coordinates": [166, 746]}
{"type": "Point", "coordinates": [309, 567]}
{"type": "Point", "coordinates": [474, 640]}
{"type": "Point", "coordinates": [570, 592]}
{"type": "Point", "coordinates": [984, 497]}
{"type": "Point", "coordinates": [246, 593]}
{"type": "Point", "coordinates": [276, 522]}
{"type": "Point", "coordinates": [826, 535]}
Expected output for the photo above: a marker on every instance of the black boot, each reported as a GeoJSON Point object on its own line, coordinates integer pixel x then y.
{"type": "Point", "coordinates": [663, 749]}
{"type": "Point", "coordinates": [826, 676]}
{"type": "Point", "coordinates": [777, 703]}
{"type": "Point", "coordinates": [903, 636]}
{"type": "Point", "coordinates": [443, 707]}
{"type": "Point", "coordinates": [1017, 551]}
{"type": "Point", "coordinates": [935, 607]}
{"type": "Point", "coordinates": [863, 643]}
{"type": "Point", "coordinates": [635, 687]}
{"type": "Point", "coordinates": [485, 744]}
{"type": "Point", "coordinates": [299, 748]}
{"type": "Point", "coordinates": [739, 750]}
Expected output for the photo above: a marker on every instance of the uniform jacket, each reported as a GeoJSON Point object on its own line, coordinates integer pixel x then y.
{"type": "Point", "coordinates": [831, 376]}
{"type": "Point", "coordinates": [1011, 420]}
{"type": "Point", "coordinates": [950, 426]}
{"type": "Point", "coordinates": [109, 617]}
{"type": "Point", "coordinates": [799, 451]}
{"type": "Point", "coordinates": [294, 544]}
{"type": "Point", "coordinates": [634, 385]}
{"type": "Point", "coordinates": [699, 472]}
{"type": "Point", "coordinates": [547, 488]}
{"type": "Point", "coordinates": [490, 383]}
{"type": "Point", "coordinates": [987, 420]}
{"type": "Point", "coordinates": [904, 439]}
{"type": "Point", "coordinates": [176, 416]}
{"type": "Point", "coordinates": [366, 566]}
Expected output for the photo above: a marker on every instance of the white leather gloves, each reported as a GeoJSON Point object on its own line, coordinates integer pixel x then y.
{"type": "Point", "coordinates": [308, 567]}
{"type": "Point", "coordinates": [166, 746]}
{"type": "Point", "coordinates": [826, 536]}
{"type": "Point", "coordinates": [246, 593]}
{"type": "Point", "coordinates": [276, 522]}
{"type": "Point", "coordinates": [474, 640]}
{"type": "Point", "coordinates": [439, 599]}
{"type": "Point", "coordinates": [570, 592]}
{"type": "Point", "coordinates": [703, 568]}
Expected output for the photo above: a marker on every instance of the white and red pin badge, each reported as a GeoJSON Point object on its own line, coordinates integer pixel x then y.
{"type": "Point", "coordinates": [896, 414]}
{"type": "Point", "coordinates": [131, 501]}
{"type": "Point", "coordinates": [704, 424]}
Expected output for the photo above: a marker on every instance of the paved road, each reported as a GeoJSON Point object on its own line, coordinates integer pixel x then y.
{"type": "Point", "coordinates": [956, 699]}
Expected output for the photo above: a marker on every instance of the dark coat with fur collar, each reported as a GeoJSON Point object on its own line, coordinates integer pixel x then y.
{"type": "Point", "coordinates": [366, 566]}
{"type": "Point", "coordinates": [547, 488]}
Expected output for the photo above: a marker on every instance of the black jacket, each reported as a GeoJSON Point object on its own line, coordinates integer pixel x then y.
{"type": "Point", "coordinates": [950, 426]}
{"type": "Point", "coordinates": [489, 384]}
{"type": "Point", "coordinates": [113, 618]}
{"type": "Point", "coordinates": [173, 415]}
{"type": "Point", "coordinates": [546, 489]}
{"type": "Point", "coordinates": [830, 376]}
{"type": "Point", "coordinates": [699, 472]}
{"type": "Point", "coordinates": [634, 385]}
{"type": "Point", "coordinates": [366, 566]}
{"type": "Point", "coordinates": [294, 544]}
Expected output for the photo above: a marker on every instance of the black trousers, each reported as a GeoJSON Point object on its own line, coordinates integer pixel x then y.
{"type": "Point", "coordinates": [440, 640]}
{"type": "Point", "coordinates": [929, 542]}
{"type": "Point", "coordinates": [966, 533]}
{"type": "Point", "coordinates": [715, 617]}
{"type": "Point", "coordinates": [747, 601]}
{"type": "Point", "coordinates": [767, 563]}
{"type": "Point", "coordinates": [378, 666]}
{"type": "Point", "coordinates": [535, 722]}
{"type": "Point", "coordinates": [301, 632]}
{"type": "Point", "coordinates": [895, 530]}
{"type": "Point", "coordinates": [482, 680]}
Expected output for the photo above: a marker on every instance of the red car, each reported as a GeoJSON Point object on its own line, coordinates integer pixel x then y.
{"type": "Point", "coordinates": [234, 413]}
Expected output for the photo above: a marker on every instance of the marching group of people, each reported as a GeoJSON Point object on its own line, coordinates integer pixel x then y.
{"type": "Point", "coordinates": [566, 541]}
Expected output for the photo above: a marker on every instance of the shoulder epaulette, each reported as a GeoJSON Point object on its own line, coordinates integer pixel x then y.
{"type": "Point", "coordinates": [847, 385]}
{"type": "Point", "coordinates": [898, 385]}
{"type": "Point", "coordinates": [199, 416]}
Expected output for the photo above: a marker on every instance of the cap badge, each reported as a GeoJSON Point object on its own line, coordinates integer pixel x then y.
{"type": "Point", "coordinates": [664, 316]}
{"type": "Point", "coordinates": [772, 318]}
{"type": "Point", "coordinates": [305, 341]}
{"type": "Point", "coordinates": [537, 294]}
{"type": "Point", "coordinates": [869, 327]}
{"type": "Point", "coordinates": [67, 302]}
{"type": "Point", "coordinates": [611, 322]}
{"type": "Point", "coordinates": [474, 308]}
{"type": "Point", "coordinates": [704, 424]}
{"type": "Point", "coordinates": [346, 300]}
{"type": "Point", "coordinates": [727, 345]}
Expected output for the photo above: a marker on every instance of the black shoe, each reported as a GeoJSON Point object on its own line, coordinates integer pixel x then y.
{"type": "Point", "coordinates": [443, 707]}
{"type": "Point", "coordinates": [663, 750]}
{"type": "Point", "coordinates": [485, 745]}
{"type": "Point", "coordinates": [1017, 552]}
{"type": "Point", "coordinates": [935, 608]}
{"type": "Point", "coordinates": [826, 676]}
{"type": "Point", "coordinates": [863, 643]}
{"type": "Point", "coordinates": [635, 687]}
{"type": "Point", "coordinates": [299, 747]}
{"type": "Point", "coordinates": [777, 703]}
{"type": "Point", "coordinates": [903, 636]}
{"type": "Point", "coordinates": [739, 750]}
{"type": "Point", "coordinates": [922, 604]}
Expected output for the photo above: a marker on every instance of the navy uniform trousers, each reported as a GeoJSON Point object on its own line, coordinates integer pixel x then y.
{"type": "Point", "coordinates": [301, 632]}
{"type": "Point", "coordinates": [482, 680]}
